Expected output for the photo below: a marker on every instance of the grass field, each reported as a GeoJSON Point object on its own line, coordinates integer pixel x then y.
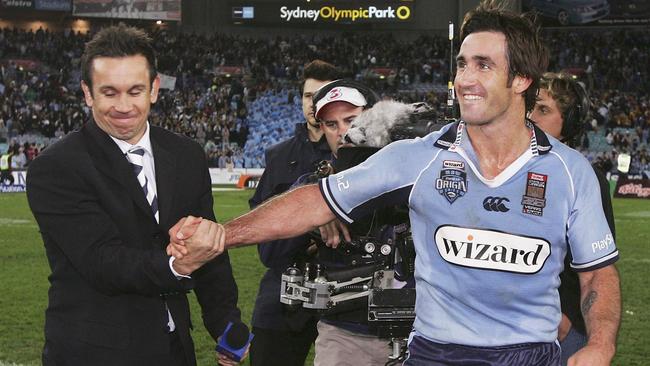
{"type": "Point", "coordinates": [24, 271]}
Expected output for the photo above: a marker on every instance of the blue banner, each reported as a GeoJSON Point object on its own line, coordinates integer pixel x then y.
{"type": "Point", "coordinates": [53, 5]}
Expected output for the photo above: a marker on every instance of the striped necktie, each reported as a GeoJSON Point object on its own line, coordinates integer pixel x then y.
{"type": "Point", "coordinates": [135, 156]}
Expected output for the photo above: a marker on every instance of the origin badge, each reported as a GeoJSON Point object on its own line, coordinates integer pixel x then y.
{"type": "Point", "coordinates": [534, 200]}
{"type": "Point", "coordinates": [453, 180]}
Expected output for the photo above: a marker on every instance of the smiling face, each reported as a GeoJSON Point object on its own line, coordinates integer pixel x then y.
{"type": "Point", "coordinates": [482, 86]}
{"type": "Point", "coordinates": [121, 95]}
{"type": "Point", "coordinates": [335, 119]}
{"type": "Point", "coordinates": [547, 115]}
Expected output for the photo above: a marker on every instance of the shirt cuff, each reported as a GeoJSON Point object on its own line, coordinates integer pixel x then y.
{"type": "Point", "coordinates": [171, 267]}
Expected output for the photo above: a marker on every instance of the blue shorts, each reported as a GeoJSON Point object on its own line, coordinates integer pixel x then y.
{"type": "Point", "coordinates": [423, 352]}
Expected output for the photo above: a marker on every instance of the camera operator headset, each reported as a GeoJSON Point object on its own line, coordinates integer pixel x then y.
{"type": "Point", "coordinates": [344, 337]}
{"type": "Point", "coordinates": [576, 115]}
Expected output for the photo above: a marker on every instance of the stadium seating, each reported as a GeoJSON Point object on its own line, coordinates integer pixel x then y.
{"type": "Point", "coordinates": [232, 93]}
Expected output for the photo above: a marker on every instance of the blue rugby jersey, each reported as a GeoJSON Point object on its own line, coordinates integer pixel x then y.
{"type": "Point", "coordinates": [489, 252]}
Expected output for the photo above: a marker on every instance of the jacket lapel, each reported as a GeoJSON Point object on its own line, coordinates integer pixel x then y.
{"type": "Point", "coordinates": [165, 162]}
{"type": "Point", "coordinates": [110, 161]}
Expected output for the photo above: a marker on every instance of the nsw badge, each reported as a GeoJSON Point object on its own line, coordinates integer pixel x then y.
{"type": "Point", "coordinates": [452, 183]}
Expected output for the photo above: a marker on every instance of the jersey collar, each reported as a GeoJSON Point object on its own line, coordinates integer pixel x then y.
{"type": "Point", "coordinates": [450, 140]}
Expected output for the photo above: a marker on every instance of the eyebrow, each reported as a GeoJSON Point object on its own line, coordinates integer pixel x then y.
{"type": "Point", "coordinates": [104, 88]}
{"type": "Point", "coordinates": [487, 59]}
{"type": "Point", "coordinates": [138, 87]}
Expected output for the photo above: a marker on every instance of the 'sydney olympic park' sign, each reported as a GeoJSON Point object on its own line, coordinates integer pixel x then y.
{"type": "Point", "coordinates": [324, 12]}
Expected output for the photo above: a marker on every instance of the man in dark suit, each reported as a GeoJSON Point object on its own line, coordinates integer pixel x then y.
{"type": "Point", "coordinates": [104, 198]}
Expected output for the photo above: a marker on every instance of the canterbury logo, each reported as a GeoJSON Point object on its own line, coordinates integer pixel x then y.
{"type": "Point", "coordinates": [496, 204]}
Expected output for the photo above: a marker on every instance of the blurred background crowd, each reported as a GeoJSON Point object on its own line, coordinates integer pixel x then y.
{"type": "Point", "coordinates": [237, 96]}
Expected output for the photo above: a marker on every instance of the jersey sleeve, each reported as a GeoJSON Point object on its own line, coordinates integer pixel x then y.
{"type": "Point", "coordinates": [590, 237]}
{"type": "Point", "coordinates": [380, 181]}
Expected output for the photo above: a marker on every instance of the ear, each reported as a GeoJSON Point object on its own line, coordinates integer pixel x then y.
{"type": "Point", "coordinates": [88, 96]}
{"type": "Point", "coordinates": [520, 84]}
{"type": "Point", "coordinates": [155, 87]}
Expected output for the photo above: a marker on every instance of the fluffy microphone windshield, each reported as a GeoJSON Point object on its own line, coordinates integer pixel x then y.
{"type": "Point", "coordinates": [375, 127]}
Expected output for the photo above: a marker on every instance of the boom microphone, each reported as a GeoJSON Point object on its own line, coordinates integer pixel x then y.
{"type": "Point", "coordinates": [389, 121]}
{"type": "Point", "coordinates": [234, 341]}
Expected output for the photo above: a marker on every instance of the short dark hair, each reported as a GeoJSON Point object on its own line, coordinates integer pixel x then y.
{"type": "Point", "coordinates": [319, 70]}
{"type": "Point", "coordinates": [118, 41]}
{"type": "Point", "coordinates": [527, 56]}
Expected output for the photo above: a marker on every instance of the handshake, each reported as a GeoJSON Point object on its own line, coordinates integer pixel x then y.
{"type": "Point", "coordinates": [195, 241]}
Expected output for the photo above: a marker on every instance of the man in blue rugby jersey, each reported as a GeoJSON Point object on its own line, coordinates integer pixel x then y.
{"type": "Point", "coordinates": [493, 202]}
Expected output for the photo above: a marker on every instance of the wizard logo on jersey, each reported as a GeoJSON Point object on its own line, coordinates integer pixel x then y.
{"type": "Point", "coordinates": [452, 183]}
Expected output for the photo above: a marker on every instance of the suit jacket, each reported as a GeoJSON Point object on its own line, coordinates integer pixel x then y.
{"type": "Point", "coordinates": [110, 274]}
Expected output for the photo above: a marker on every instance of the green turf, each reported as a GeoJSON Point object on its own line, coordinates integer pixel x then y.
{"type": "Point", "coordinates": [24, 271]}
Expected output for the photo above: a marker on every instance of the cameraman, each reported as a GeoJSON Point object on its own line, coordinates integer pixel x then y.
{"type": "Point", "coordinates": [561, 110]}
{"type": "Point", "coordinates": [344, 337]}
{"type": "Point", "coordinates": [282, 337]}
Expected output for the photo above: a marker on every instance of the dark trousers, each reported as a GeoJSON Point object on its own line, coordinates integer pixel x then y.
{"type": "Point", "coordinates": [573, 342]}
{"type": "Point", "coordinates": [286, 348]}
{"type": "Point", "coordinates": [177, 355]}
{"type": "Point", "coordinates": [423, 352]}
{"type": "Point", "coordinates": [73, 354]}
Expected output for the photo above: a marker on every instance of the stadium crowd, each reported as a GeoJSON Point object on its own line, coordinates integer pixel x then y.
{"type": "Point", "coordinates": [236, 95]}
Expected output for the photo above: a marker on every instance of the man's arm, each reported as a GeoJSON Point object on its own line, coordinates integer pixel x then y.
{"type": "Point", "coordinates": [284, 216]}
{"type": "Point", "coordinates": [305, 208]}
{"type": "Point", "coordinates": [601, 308]}
{"type": "Point", "coordinates": [274, 181]}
